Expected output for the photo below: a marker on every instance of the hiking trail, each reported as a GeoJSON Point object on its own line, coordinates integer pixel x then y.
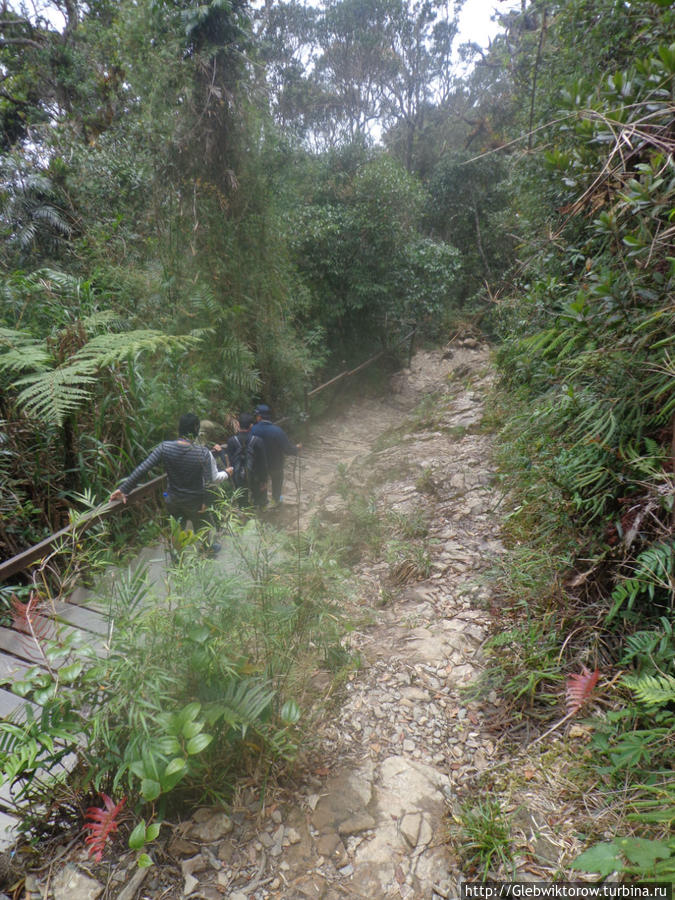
{"type": "Point", "coordinates": [367, 819]}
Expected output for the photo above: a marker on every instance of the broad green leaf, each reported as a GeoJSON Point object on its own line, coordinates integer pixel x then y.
{"type": "Point", "coordinates": [602, 858]}
{"type": "Point", "coordinates": [144, 861]}
{"type": "Point", "coordinates": [643, 852]}
{"type": "Point", "coordinates": [42, 696]}
{"type": "Point", "coordinates": [176, 765]}
{"type": "Point", "coordinates": [152, 831]}
{"type": "Point", "coordinates": [137, 836]}
{"type": "Point", "coordinates": [137, 768]}
{"type": "Point", "coordinates": [190, 729]}
{"type": "Point", "coordinates": [189, 712]}
{"type": "Point", "coordinates": [69, 673]}
{"type": "Point", "coordinates": [290, 712]}
{"type": "Point", "coordinates": [169, 745]}
{"type": "Point", "coordinates": [198, 743]}
{"type": "Point", "coordinates": [199, 634]}
{"type": "Point", "coordinates": [150, 789]}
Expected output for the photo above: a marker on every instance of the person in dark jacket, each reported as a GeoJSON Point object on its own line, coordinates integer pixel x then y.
{"type": "Point", "coordinates": [245, 453]}
{"type": "Point", "coordinates": [189, 467]}
{"type": "Point", "coordinates": [277, 447]}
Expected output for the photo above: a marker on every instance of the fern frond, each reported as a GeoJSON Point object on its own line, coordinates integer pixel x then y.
{"type": "Point", "coordinates": [99, 320]}
{"type": "Point", "coordinates": [238, 360]}
{"type": "Point", "coordinates": [646, 643]}
{"type": "Point", "coordinates": [242, 704]}
{"type": "Point", "coordinates": [53, 395]}
{"type": "Point", "coordinates": [25, 355]}
{"type": "Point", "coordinates": [55, 281]}
{"type": "Point", "coordinates": [102, 822]}
{"type": "Point", "coordinates": [201, 300]}
{"type": "Point", "coordinates": [12, 337]}
{"type": "Point", "coordinates": [652, 690]}
{"type": "Point", "coordinates": [579, 688]}
{"type": "Point", "coordinates": [107, 349]}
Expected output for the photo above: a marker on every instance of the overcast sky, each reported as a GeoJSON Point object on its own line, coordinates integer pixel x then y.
{"type": "Point", "coordinates": [475, 20]}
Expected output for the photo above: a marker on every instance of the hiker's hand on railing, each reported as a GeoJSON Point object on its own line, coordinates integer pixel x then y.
{"type": "Point", "coordinates": [118, 495]}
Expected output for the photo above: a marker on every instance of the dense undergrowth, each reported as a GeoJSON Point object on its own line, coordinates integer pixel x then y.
{"type": "Point", "coordinates": [188, 694]}
{"type": "Point", "coordinates": [587, 407]}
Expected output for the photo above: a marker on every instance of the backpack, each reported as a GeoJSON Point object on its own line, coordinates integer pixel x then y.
{"type": "Point", "coordinates": [243, 462]}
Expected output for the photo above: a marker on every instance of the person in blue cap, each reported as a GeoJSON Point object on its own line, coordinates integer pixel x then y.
{"type": "Point", "coordinates": [277, 447]}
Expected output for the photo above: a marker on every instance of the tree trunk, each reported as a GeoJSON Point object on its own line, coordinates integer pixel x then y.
{"type": "Point", "coordinates": [73, 478]}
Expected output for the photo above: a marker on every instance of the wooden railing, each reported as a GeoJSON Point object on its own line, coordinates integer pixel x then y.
{"type": "Point", "coordinates": [24, 560]}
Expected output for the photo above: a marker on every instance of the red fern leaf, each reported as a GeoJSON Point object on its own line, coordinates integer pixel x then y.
{"type": "Point", "coordinates": [31, 618]}
{"type": "Point", "coordinates": [102, 823]}
{"type": "Point", "coordinates": [579, 689]}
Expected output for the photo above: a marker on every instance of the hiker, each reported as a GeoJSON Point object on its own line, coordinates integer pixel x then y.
{"type": "Point", "coordinates": [277, 446]}
{"type": "Point", "coordinates": [190, 468]}
{"type": "Point", "coordinates": [246, 454]}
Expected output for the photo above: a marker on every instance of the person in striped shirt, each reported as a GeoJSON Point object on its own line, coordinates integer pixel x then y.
{"type": "Point", "coordinates": [190, 468]}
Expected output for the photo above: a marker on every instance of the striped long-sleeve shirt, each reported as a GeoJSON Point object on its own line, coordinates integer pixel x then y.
{"type": "Point", "coordinates": [189, 468]}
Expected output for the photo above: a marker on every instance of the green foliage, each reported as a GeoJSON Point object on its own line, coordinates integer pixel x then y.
{"type": "Point", "coordinates": [195, 690]}
{"type": "Point", "coordinates": [652, 690]}
{"type": "Point", "coordinates": [485, 836]}
{"type": "Point", "coordinates": [630, 855]}
{"type": "Point", "coordinates": [31, 220]}
{"type": "Point", "coordinates": [408, 559]}
{"type": "Point", "coordinates": [586, 378]}
{"type": "Point", "coordinates": [464, 200]}
{"type": "Point", "coordinates": [525, 664]}
{"type": "Point", "coordinates": [358, 248]}
{"type": "Point", "coordinates": [652, 577]}
{"type": "Point", "coordinates": [360, 530]}
{"type": "Point", "coordinates": [409, 525]}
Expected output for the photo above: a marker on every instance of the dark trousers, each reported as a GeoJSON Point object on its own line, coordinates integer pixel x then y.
{"type": "Point", "coordinates": [184, 510]}
{"type": "Point", "coordinates": [258, 493]}
{"type": "Point", "coordinates": [277, 476]}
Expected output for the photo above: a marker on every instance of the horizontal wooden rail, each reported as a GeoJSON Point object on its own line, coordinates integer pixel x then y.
{"type": "Point", "coordinates": [25, 559]}
{"type": "Point", "coordinates": [349, 372]}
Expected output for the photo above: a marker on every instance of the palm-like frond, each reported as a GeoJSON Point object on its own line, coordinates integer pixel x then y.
{"type": "Point", "coordinates": [54, 279]}
{"type": "Point", "coordinates": [102, 822]}
{"type": "Point", "coordinates": [49, 216]}
{"type": "Point", "coordinates": [652, 690]}
{"type": "Point", "coordinates": [108, 349]}
{"type": "Point", "coordinates": [238, 360]}
{"type": "Point", "coordinates": [579, 688]}
{"type": "Point", "coordinates": [25, 352]}
{"type": "Point", "coordinates": [55, 394]}
{"type": "Point", "coordinates": [243, 704]}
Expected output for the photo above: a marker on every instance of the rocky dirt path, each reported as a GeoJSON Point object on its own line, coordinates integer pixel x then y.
{"type": "Point", "coordinates": [369, 820]}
